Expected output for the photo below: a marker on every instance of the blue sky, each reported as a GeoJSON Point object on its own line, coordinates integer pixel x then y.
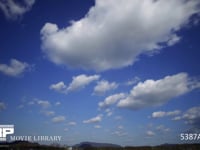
{"type": "Point", "coordinates": [123, 72]}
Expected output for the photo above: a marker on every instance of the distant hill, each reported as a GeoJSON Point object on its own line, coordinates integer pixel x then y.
{"type": "Point", "coordinates": [93, 144]}
{"type": "Point", "coordinates": [25, 145]}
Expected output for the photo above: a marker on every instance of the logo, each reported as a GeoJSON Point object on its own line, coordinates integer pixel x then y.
{"type": "Point", "coordinates": [5, 130]}
{"type": "Point", "coordinates": [9, 129]}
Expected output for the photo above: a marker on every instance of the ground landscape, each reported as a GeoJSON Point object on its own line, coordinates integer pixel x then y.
{"type": "Point", "coordinates": [95, 146]}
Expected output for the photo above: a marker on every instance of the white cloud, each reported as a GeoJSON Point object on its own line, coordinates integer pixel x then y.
{"type": "Point", "coordinates": [106, 38]}
{"type": "Point", "coordinates": [133, 81]}
{"type": "Point", "coordinates": [160, 114]}
{"type": "Point", "coordinates": [176, 118]}
{"type": "Point", "coordinates": [104, 86]}
{"type": "Point", "coordinates": [72, 123]}
{"type": "Point", "coordinates": [13, 9]}
{"type": "Point", "coordinates": [192, 116]}
{"type": "Point", "coordinates": [81, 81]}
{"type": "Point", "coordinates": [43, 103]}
{"type": "Point", "coordinates": [97, 126]}
{"type": "Point", "coordinates": [78, 82]}
{"type": "Point", "coordinates": [15, 68]}
{"type": "Point", "coordinates": [157, 92]}
{"type": "Point", "coordinates": [173, 113]}
{"type": "Point", "coordinates": [120, 127]}
{"type": "Point", "coordinates": [57, 103]}
{"type": "Point", "coordinates": [58, 119]}
{"type": "Point", "coordinates": [94, 120]}
{"type": "Point", "coordinates": [150, 133]}
{"type": "Point", "coordinates": [2, 106]}
{"type": "Point", "coordinates": [58, 87]}
{"type": "Point", "coordinates": [174, 39]}
{"type": "Point", "coordinates": [162, 128]}
{"type": "Point", "coordinates": [111, 100]}
{"type": "Point", "coordinates": [109, 112]}
{"type": "Point", "coordinates": [119, 133]}
{"type": "Point", "coordinates": [49, 113]}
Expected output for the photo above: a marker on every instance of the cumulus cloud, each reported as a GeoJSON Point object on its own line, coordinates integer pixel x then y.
{"type": "Point", "coordinates": [120, 127]}
{"type": "Point", "coordinates": [110, 100]}
{"type": "Point", "coordinates": [119, 133]}
{"type": "Point", "coordinates": [162, 128]}
{"type": "Point", "coordinates": [108, 112]}
{"type": "Point", "coordinates": [106, 38]}
{"type": "Point", "coordinates": [43, 103]}
{"type": "Point", "coordinates": [192, 116]}
{"type": "Point", "coordinates": [104, 86]}
{"type": "Point", "coordinates": [133, 81]}
{"type": "Point", "coordinates": [72, 123]}
{"type": "Point", "coordinates": [58, 119]}
{"type": "Point", "coordinates": [174, 39]}
{"type": "Point", "coordinates": [15, 68]}
{"type": "Point", "coordinates": [176, 118]}
{"type": "Point", "coordinates": [81, 81]}
{"type": "Point", "coordinates": [59, 87]}
{"type": "Point", "coordinates": [160, 114]}
{"type": "Point", "coordinates": [12, 9]}
{"type": "Point", "coordinates": [78, 82]}
{"type": "Point", "coordinates": [157, 92]}
{"type": "Point", "coordinates": [57, 103]}
{"type": "Point", "coordinates": [49, 113]}
{"type": "Point", "coordinates": [2, 106]}
{"type": "Point", "coordinates": [150, 133]}
{"type": "Point", "coordinates": [94, 120]}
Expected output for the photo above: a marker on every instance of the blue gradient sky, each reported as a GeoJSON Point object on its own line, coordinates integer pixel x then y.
{"type": "Point", "coordinates": [61, 60]}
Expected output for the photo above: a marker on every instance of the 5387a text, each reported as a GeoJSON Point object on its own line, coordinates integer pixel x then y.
{"type": "Point", "coordinates": [190, 136]}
